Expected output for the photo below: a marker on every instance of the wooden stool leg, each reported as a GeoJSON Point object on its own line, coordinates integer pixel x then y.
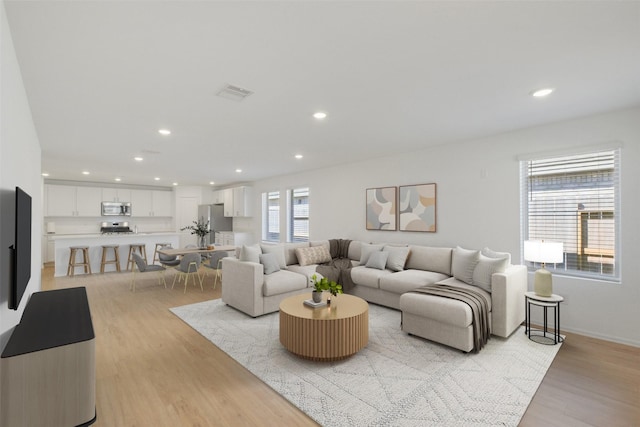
{"type": "Point", "coordinates": [117, 255]}
{"type": "Point", "coordinates": [104, 259]}
{"type": "Point", "coordinates": [71, 268]}
{"type": "Point", "coordinates": [87, 260]}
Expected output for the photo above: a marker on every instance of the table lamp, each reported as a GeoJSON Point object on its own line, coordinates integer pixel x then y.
{"type": "Point", "coordinates": [543, 252]}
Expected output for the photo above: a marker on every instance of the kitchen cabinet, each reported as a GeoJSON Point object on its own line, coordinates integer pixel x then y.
{"type": "Point", "coordinates": [162, 203]}
{"type": "Point", "coordinates": [218, 197]}
{"type": "Point", "coordinates": [237, 201]}
{"type": "Point", "coordinates": [227, 195]}
{"type": "Point", "coordinates": [116, 195]}
{"type": "Point", "coordinates": [151, 203]}
{"type": "Point", "coordinates": [230, 238]}
{"type": "Point", "coordinates": [66, 200]}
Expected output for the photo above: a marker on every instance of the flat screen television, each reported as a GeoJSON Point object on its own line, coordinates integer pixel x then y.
{"type": "Point", "coordinates": [21, 249]}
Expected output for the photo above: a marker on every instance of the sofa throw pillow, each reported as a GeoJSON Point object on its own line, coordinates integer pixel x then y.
{"type": "Point", "coordinates": [250, 253]}
{"type": "Point", "coordinates": [270, 263]}
{"type": "Point", "coordinates": [463, 263]}
{"type": "Point", "coordinates": [312, 255]}
{"type": "Point", "coordinates": [493, 254]}
{"type": "Point", "coordinates": [366, 250]}
{"type": "Point", "coordinates": [278, 252]}
{"type": "Point", "coordinates": [485, 268]}
{"type": "Point", "coordinates": [397, 257]}
{"type": "Point", "coordinates": [377, 260]}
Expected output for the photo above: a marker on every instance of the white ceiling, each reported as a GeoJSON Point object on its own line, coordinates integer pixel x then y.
{"type": "Point", "coordinates": [103, 76]}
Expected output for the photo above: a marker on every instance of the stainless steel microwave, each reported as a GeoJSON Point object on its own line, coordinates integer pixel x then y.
{"type": "Point", "coordinates": [116, 209]}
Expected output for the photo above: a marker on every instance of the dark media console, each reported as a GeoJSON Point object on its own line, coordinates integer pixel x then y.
{"type": "Point", "coordinates": [48, 366]}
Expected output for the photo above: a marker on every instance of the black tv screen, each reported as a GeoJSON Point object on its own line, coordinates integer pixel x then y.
{"type": "Point", "coordinates": [22, 248]}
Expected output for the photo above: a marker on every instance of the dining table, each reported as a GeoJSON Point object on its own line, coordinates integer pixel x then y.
{"type": "Point", "coordinates": [184, 251]}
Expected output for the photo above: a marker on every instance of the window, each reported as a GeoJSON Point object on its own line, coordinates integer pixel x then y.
{"type": "Point", "coordinates": [575, 200]}
{"type": "Point", "coordinates": [271, 216]}
{"type": "Point", "coordinates": [298, 215]}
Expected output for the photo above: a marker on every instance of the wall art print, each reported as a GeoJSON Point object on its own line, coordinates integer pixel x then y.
{"type": "Point", "coordinates": [382, 208]}
{"type": "Point", "coordinates": [418, 207]}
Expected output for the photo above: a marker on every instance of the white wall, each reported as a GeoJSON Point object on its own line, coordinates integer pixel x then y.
{"type": "Point", "coordinates": [19, 166]}
{"type": "Point", "coordinates": [478, 204]}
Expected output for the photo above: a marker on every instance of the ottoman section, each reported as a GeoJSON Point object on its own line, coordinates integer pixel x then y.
{"type": "Point", "coordinates": [443, 320]}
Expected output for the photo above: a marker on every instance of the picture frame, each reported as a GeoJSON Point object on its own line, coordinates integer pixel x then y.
{"type": "Point", "coordinates": [382, 208]}
{"type": "Point", "coordinates": [417, 207]}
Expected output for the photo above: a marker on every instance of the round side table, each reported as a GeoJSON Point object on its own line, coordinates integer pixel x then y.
{"type": "Point", "coordinates": [543, 336]}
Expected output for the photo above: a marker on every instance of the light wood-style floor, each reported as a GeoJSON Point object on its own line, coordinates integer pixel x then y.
{"type": "Point", "coordinates": [154, 370]}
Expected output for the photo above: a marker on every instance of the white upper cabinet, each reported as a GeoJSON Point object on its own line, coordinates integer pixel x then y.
{"type": "Point", "coordinates": [116, 195]}
{"type": "Point", "coordinates": [162, 203]}
{"type": "Point", "coordinates": [141, 203]}
{"type": "Point", "coordinates": [151, 203]}
{"type": "Point", "coordinates": [242, 201]}
{"type": "Point", "coordinates": [218, 197]}
{"type": "Point", "coordinates": [65, 200]}
{"type": "Point", "coordinates": [237, 201]}
{"type": "Point", "coordinates": [227, 195]}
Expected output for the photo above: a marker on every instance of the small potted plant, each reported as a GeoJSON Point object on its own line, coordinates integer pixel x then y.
{"type": "Point", "coordinates": [324, 284]}
{"type": "Point", "coordinates": [201, 229]}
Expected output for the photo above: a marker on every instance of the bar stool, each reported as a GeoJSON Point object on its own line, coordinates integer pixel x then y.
{"type": "Point", "coordinates": [155, 251]}
{"type": "Point", "coordinates": [142, 250]}
{"type": "Point", "coordinates": [116, 260]}
{"type": "Point", "coordinates": [72, 260]}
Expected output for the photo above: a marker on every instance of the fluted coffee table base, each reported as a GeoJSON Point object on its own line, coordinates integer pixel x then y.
{"type": "Point", "coordinates": [326, 333]}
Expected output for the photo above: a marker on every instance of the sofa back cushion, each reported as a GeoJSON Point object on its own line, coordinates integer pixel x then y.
{"type": "Point", "coordinates": [430, 259]}
{"type": "Point", "coordinates": [463, 264]}
{"type": "Point", "coordinates": [366, 249]}
{"type": "Point", "coordinates": [354, 250]}
{"type": "Point", "coordinates": [486, 267]}
{"type": "Point", "coordinates": [312, 255]}
{"type": "Point", "coordinates": [250, 253]}
{"type": "Point", "coordinates": [290, 251]}
{"type": "Point", "coordinates": [277, 251]}
{"type": "Point", "coordinates": [397, 257]}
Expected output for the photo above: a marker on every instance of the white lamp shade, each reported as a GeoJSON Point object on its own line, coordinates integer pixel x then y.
{"type": "Point", "coordinates": [542, 251]}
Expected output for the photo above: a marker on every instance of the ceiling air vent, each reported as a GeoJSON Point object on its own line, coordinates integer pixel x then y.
{"type": "Point", "coordinates": [234, 93]}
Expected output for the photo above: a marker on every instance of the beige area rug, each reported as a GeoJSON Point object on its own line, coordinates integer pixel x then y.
{"type": "Point", "coordinates": [396, 380]}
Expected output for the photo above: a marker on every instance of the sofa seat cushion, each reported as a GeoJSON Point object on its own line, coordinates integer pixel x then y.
{"type": "Point", "coordinates": [307, 271]}
{"type": "Point", "coordinates": [443, 310]}
{"type": "Point", "coordinates": [283, 281]}
{"type": "Point", "coordinates": [408, 280]}
{"type": "Point", "coordinates": [369, 277]}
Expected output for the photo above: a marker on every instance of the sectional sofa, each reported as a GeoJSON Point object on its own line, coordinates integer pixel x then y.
{"type": "Point", "coordinates": [385, 274]}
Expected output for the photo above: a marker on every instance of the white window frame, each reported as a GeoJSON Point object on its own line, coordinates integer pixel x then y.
{"type": "Point", "coordinates": [292, 220]}
{"type": "Point", "coordinates": [558, 172]}
{"type": "Point", "coordinates": [268, 219]}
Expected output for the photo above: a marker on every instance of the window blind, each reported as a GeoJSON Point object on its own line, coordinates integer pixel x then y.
{"type": "Point", "coordinates": [574, 199]}
{"type": "Point", "coordinates": [299, 215]}
{"type": "Point", "coordinates": [271, 216]}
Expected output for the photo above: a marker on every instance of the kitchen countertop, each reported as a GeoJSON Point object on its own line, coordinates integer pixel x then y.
{"type": "Point", "coordinates": [100, 235]}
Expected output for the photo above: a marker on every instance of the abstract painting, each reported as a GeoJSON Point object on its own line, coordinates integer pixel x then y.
{"type": "Point", "coordinates": [418, 207]}
{"type": "Point", "coordinates": [382, 208]}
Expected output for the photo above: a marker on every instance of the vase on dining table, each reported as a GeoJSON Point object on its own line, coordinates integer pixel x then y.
{"type": "Point", "coordinates": [202, 242]}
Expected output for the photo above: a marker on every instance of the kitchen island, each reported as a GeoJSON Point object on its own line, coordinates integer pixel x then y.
{"type": "Point", "coordinates": [95, 242]}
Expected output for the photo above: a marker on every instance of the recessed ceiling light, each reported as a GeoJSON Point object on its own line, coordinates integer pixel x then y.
{"type": "Point", "coordinates": [45, 174]}
{"type": "Point", "coordinates": [299, 156]}
{"type": "Point", "coordinates": [540, 93]}
{"type": "Point", "coordinates": [164, 131]}
{"type": "Point", "coordinates": [85, 172]}
{"type": "Point", "coordinates": [239, 170]}
{"type": "Point", "coordinates": [157, 178]}
{"type": "Point", "coordinates": [211, 183]}
{"type": "Point", "coordinates": [138, 159]}
{"type": "Point", "coordinates": [175, 183]}
{"type": "Point", "coordinates": [118, 179]}
{"type": "Point", "coordinates": [320, 115]}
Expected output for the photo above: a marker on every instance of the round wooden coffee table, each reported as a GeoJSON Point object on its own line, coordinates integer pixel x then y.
{"type": "Point", "coordinates": [324, 333]}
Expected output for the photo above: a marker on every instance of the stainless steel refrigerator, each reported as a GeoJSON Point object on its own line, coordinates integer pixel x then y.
{"type": "Point", "coordinates": [217, 221]}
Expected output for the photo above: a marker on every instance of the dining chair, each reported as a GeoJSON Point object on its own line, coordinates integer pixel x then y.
{"type": "Point", "coordinates": [143, 267]}
{"type": "Point", "coordinates": [167, 260]}
{"type": "Point", "coordinates": [215, 263]}
{"type": "Point", "coordinates": [189, 265]}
